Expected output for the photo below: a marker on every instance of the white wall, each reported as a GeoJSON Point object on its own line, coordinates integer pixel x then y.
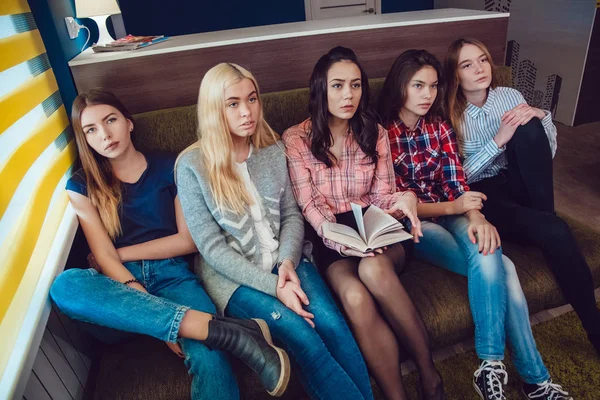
{"type": "Point", "coordinates": [553, 34]}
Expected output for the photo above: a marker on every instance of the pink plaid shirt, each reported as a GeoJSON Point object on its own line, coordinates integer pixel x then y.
{"type": "Point", "coordinates": [323, 192]}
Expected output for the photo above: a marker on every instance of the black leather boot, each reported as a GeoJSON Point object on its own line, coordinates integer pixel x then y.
{"type": "Point", "coordinates": [250, 341]}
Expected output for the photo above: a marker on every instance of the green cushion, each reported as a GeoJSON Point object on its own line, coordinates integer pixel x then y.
{"type": "Point", "coordinates": [441, 296]}
{"type": "Point", "coordinates": [171, 129]}
{"type": "Point", "coordinates": [153, 372]}
{"type": "Point", "coordinates": [174, 129]}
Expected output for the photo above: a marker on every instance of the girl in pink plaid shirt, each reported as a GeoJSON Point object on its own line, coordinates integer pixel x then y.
{"type": "Point", "coordinates": [340, 155]}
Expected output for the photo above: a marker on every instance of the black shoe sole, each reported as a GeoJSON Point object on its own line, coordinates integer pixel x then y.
{"type": "Point", "coordinates": [529, 398]}
{"type": "Point", "coordinates": [284, 377]}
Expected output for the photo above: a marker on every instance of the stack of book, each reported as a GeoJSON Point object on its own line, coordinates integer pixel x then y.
{"type": "Point", "coordinates": [129, 42]}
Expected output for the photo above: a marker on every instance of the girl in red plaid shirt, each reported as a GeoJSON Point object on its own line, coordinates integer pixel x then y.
{"type": "Point", "coordinates": [456, 236]}
{"type": "Point", "coordinates": [338, 156]}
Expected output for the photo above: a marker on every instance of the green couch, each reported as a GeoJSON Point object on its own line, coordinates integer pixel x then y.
{"type": "Point", "coordinates": [146, 369]}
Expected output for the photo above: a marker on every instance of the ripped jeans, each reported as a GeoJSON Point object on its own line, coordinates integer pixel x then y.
{"type": "Point", "coordinates": [115, 309]}
{"type": "Point", "coordinates": [329, 362]}
{"type": "Point", "coordinates": [497, 301]}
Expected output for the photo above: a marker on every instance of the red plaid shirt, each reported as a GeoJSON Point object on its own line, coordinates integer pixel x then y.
{"type": "Point", "coordinates": [322, 192]}
{"type": "Point", "coordinates": [426, 160]}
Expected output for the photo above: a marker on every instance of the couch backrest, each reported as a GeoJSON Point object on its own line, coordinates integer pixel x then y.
{"type": "Point", "coordinates": [174, 129]}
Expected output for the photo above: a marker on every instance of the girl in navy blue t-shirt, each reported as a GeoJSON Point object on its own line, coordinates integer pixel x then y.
{"type": "Point", "coordinates": [129, 211]}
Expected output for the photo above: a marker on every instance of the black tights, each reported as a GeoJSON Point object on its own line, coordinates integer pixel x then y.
{"type": "Point", "coordinates": [521, 206]}
{"type": "Point", "coordinates": [382, 316]}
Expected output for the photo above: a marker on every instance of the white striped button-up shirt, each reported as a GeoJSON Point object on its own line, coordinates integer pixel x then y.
{"type": "Point", "coordinates": [481, 156]}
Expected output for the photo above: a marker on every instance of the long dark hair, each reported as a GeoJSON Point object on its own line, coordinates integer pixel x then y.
{"type": "Point", "coordinates": [363, 123]}
{"type": "Point", "coordinates": [103, 187]}
{"type": "Point", "coordinates": [393, 93]}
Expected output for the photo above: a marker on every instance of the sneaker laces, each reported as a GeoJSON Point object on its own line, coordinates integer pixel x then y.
{"type": "Point", "coordinates": [495, 371]}
{"type": "Point", "coordinates": [553, 391]}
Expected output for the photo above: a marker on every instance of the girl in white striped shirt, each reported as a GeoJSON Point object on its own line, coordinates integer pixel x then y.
{"type": "Point", "coordinates": [507, 149]}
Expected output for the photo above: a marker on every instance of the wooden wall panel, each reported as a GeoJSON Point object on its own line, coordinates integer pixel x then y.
{"type": "Point", "coordinates": [73, 343]}
{"type": "Point", "coordinates": [35, 390]}
{"type": "Point", "coordinates": [172, 79]}
{"type": "Point", "coordinates": [61, 367]}
{"type": "Point", "coordinates": [49, 378]}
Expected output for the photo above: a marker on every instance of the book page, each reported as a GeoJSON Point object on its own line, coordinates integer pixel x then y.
{"type": "Point", "coordinates": [358, 216]}
{"type": "Point", "coordinates": [344, 235]}
{"type": "Point", "coordinates": [377, 222]}
{"type": "Point", "coordinates": [390, 238]}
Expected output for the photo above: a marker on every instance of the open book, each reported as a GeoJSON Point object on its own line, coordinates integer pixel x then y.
{"type": "Point", "coordinates": [375, 229]}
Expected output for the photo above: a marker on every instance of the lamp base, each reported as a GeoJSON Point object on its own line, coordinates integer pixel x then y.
{"type": "Point", "coordinates": [104, 37]}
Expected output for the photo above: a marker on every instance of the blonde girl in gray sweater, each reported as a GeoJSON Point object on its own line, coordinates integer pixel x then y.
{"type": "Point", "coordinates": [238, 204]}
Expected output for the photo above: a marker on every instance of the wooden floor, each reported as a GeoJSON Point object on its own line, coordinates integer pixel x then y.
{"type": "Point", "coordinates": [577, 172]}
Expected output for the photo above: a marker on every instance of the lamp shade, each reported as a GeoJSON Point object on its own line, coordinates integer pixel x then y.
{"type": "Point", "coordinates": [92, 8]}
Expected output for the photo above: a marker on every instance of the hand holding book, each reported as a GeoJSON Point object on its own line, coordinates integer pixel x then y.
{"type": "Point", "coordinates": [376, 229]}
{"type": "Point", "coordinates": [350, 252]}
{"type": "Point", "coordinates": [406, 206]}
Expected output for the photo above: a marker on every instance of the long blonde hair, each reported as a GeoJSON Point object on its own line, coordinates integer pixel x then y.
{"type": "Point", "coordinates": [455, 98]}
{"type": "Point", "coordinates": [103, 187]}
{"type": "Point", "coordinates": [214, 138]}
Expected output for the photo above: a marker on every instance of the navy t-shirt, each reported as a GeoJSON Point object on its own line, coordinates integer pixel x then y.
{"type": "Point", "coordinates": [148, 210]}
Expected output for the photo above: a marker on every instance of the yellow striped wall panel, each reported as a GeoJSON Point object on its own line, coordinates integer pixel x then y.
{"type": "Point", "coordinates": [8, 7]}
{"type": "Point", "coordinates": [19, 245]}
{"type": "Point", "coordinates": [23, 157]}
{"type": "Point", "coordinates": [9, 329]}
{"type": "Point", "coordinates": [20, 48]}
{"type": "Point", "coordinates": [28, 234]}
{"type": "Point", "coordinates": [26, 97]}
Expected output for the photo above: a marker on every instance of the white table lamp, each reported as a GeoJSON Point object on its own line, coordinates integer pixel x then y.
{"type": "Point", "coordinates": [99, 11]}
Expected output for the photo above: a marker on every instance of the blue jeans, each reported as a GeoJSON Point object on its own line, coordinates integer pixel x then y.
{"type": "Point", "coordinates": [88, 296]}
{"type": "Point", "coordinates": [330, 363]}
{"type": "Point", "coordinates": [497, 301]}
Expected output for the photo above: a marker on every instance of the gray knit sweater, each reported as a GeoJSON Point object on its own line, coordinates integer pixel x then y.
{"type": "Point", "coordinates": [228, 243]}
